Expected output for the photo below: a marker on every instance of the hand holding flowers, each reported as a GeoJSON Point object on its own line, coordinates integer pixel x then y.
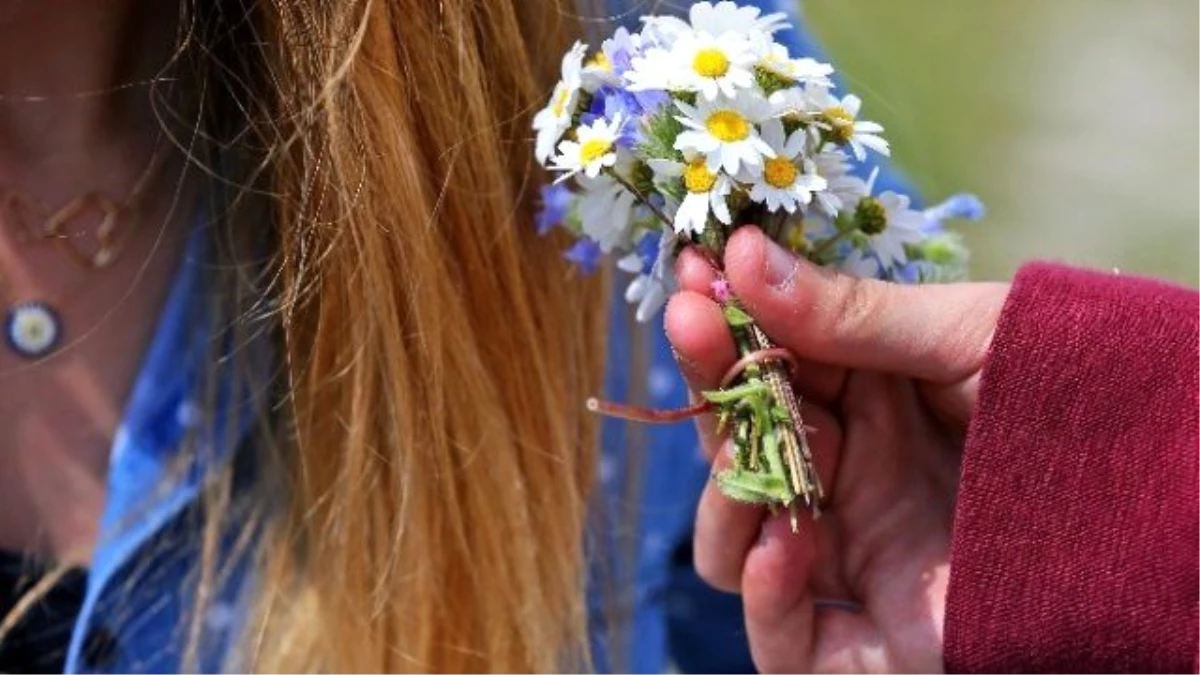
{"type": "Point", "coordinates": [678, 135]}
{"type": "Point", "coordinates": [889, 375]}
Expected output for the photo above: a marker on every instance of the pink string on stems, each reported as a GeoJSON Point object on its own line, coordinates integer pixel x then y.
{"type": "Point", "coordinates": [637, 413]}
{"type": "Point", "coordinates": [756, 357]}
{"type": "Point", "coordinates": [723, 294]}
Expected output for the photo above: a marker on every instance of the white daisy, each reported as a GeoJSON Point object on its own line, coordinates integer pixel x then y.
{"type": "Point", "coordinates": [725, 131]}
{"type": "Point", "coordinates": [774, 58]}
{"type": "Point", "coordinates": [707, 192]}
{"type": "Point", "coordinates": [552, 121]}
{"type": "Point", "coordinates": [598, 72]}
{"type": "Point", "coordinates": [697, 61]}
{"type": "Point", "coordinates": [606, 211]}
{"type": "Point", "coordinates": [839, 120]}
{"type": "Point", "coordinates": [595, 149]}
{"type": "Point", "coordinates": [719, 19]}
{"type": "Point", "coordinates": [787, 180]}
{"type": "Point", "coordinates": [607, 65]}
{"type": "Point", "coordinates": [842, 187]}
{"type": "Point", "coordinates": [888, 224]}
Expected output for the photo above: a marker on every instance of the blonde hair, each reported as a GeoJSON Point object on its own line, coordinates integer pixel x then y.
{"type": "Point", "coordinates": [425, 466]}
{"type": "Point", "coordinates": [420, 457]}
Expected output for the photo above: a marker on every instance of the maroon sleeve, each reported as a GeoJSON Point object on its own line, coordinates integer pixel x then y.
{"type": "Point", "coordinates": [1075, 535]}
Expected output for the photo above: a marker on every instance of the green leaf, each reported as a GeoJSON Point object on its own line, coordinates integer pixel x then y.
{"type": "Point", "coordinates": [672, 188]}
{"type": "Point", "coordinates": [752, 488]}
{"type": "Point", "coordinates": [775, 463]}
{"type": "Point", "coordinates": [642, 177]}
{"type": "Point", "coordinates": [735, 394]}
{"type": "Point", "coordinates": [659, 134]}
{"type": "Point", "coordinates": [713, 237]}
{"type": "Point", "coordinates": [735, 317]}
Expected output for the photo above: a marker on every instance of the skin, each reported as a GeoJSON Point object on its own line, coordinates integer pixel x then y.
{"type": "Point", "coordinates": [75, 118]}
{"type": "Point", "coordinates": [888, 377]}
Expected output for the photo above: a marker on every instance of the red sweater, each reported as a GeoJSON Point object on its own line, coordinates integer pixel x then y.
{"type": "Point", "coordinates": [1075, 537]}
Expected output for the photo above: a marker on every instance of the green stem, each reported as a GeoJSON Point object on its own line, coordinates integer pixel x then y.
{"type": "Point", "coordinates": [612, 173]}
{"type": "Point", "coordinates": [828, 244]}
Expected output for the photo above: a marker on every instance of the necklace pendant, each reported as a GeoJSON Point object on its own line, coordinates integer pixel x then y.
{"type": "Point", "coordinates": [32, 329]}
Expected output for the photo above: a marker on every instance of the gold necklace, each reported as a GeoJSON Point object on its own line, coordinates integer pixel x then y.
{"type": "Point", "coordinates": [33, 327]}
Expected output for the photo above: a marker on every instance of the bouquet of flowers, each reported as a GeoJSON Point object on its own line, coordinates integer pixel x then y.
{"type": "Point", "coordinates": [676, 135]}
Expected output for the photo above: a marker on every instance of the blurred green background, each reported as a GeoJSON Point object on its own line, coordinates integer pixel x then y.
{"type": "Point", "coordinates": [1074, 120]}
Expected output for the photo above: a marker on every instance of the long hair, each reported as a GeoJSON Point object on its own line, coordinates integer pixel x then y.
{"type": "Point", "coordinates": [423, 460]}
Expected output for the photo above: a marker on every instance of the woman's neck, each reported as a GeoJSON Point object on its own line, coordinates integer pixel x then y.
{"type": "Point", "coordinates": [76, 119]}
{"type": "Point", "coordinates": [74, 75]}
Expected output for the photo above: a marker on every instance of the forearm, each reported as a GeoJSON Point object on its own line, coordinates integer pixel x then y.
{"type": "Point", "coordinates": [1075, 537]}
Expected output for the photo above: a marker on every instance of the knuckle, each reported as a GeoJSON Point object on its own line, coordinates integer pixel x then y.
{"type": "Point", "coordinates": [854, 307]}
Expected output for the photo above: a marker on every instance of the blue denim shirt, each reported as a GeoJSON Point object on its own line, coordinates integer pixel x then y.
{"type": "Point", "coordinates": [133, 611]}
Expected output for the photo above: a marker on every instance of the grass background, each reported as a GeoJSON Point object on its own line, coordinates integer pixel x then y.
{"type": "Point", "coordinates": [1074, 120]}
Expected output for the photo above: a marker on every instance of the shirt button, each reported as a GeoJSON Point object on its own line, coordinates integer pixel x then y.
{"type": "Point", "coordinates": [100, 648]}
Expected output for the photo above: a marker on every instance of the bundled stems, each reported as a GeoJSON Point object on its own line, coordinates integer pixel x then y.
{"type": "Point", "coordinates": [772, 463]}
{"type": "Point", "coordinates": [756, 404]}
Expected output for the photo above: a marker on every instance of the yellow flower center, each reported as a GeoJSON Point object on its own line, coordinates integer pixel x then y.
{"type": "Point", "coordinates": [780, 172]}
{"type": "Point", "coordinates": [870, 217]}
{"type": "Point", "coordinates": [561, 94]}
{"type": "Point", "coordinates": [600, 60]}
{"type": "Point", "coordinates": [594, 150]}
{"type": "Point", "coordinates": [841, 123]}
{"type": "Point", "coordinates": [710, 62]}
{"type": "Point", "coordinates": [728, 126]}
{"type": "Point", "coordinates": [838, 114]}
{"type": "Point", "coordinates": [697, 177]}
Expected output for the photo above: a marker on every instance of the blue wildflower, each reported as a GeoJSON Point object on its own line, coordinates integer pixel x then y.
{"type": "Point", "coordinates": [911, 272]}
{"type": "Point", "coordinates": [556, 201]}
{"type": "Point", "coordinates": [647, 250]}
{"type": "Point", "coordinates": [586, 254]}
{"type": "Point", "coordinates": [620, 49]}
{"type": "Point", "coordinates": [961, 206]}
{"type": "Point", "coordinates": [608, 102]}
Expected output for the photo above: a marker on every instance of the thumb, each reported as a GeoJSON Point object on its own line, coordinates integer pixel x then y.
{"type": "Point", "coordinates": [936, 332]}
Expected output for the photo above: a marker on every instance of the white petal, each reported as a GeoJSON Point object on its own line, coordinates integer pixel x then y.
{"type": "Point", "coordinates": [665, 167]}
{"type": "Point", "coordinates": [631, 263]}
{"type": "Point", "coordinates": [720, 209]}
{"type": "Point", "coordinates": [761, 146]}
{"type": "Point", "coordinates": [696, 140]}
{"type": "Point", "coordinates": [795, 144]}
{"type": "Point", "coordinates": [655, 298]}
{"type": "Point", "coordinates": [856, 148]}
{"type": "Point", "coordinates": [772, 134]}
{"type": "Point", "coordinates": [852, 104]}
{"type": "Point", "coordinates": [812, 183]}
{"type": "Point", "coordinates": [876, 143]}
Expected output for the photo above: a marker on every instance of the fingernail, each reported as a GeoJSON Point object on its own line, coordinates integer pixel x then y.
{"type": "Point", "coordinates": [781, 265]}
